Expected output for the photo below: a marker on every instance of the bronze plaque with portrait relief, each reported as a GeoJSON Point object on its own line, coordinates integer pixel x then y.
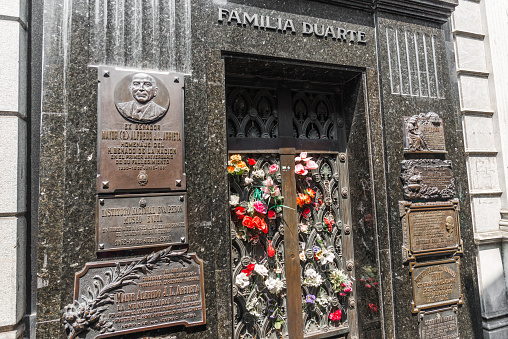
{"type": "Point", "coordinates": [112, 298]}
{"type": "Point", "coordinates": [140, 131]}
{"type": "Point", "coordinates": [435, 283]}
{"type": "Point", "coordinates": [138, 221]}
{"type": "Point", "coordinates": [439, 323]}
{"type": "Point", "coordinates": [430, 228]}
{"type": "Point", "coordinates": [424, 133]}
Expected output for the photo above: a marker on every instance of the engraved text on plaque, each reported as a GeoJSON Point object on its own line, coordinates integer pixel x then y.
{"type": "Point", "coordinates": [435, 283]}
{"type": "Point", "coordinates": [440, 323]}
{"type": "Point", "coordinates": [424, 133]}
{"type": "Point", "coordinates": [426, 179]}
{"type": "Point", "coordinates": [126, 222]}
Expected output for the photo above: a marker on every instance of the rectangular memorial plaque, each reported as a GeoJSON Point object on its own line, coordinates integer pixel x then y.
{"type": "Point", "coordinates": [440, 323]}
{"type": "Point", "coordinates": [425, 179]}
{"type": "Point", "coordinates": [424, 133]}
{"type": "Point", "coordinates": [435, 283]}
{"type": "Point", "coordinates": [430, 228]}
{"type": "Point", "coordinates": [140, 130]}
{"type": "Point", "coordinates": [113, 298]}
{"type": "Point", "coordinates": [130, 221]}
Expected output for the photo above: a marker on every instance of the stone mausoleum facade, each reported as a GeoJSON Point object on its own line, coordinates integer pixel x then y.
{"type": "Point", "coordinates": [253, 169]}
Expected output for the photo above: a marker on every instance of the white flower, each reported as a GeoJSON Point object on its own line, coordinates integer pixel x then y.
{"type": "Point", "coordinates": [259, 174]}
{"type": "Point", "coordinates": [248, 180]}
{"type": "Point", "coordinates": [304, 228]}
{"type": "Point", "coordinates": [261, 270]}
{"type": "Point", "coordinates": [252, 308]}
{"type": "Point", "coordinates": [327, 256]}
{"type": "Point", "coordinates": [234, 199]}
{"type": "Point", "coordinates": [302, 256]}
{"type": "Point", "coordinates": [242, 280]}
{"type": "Point", "coordinates": [274, 285]}
{"type": "Point", "coordinates": [322, 301]}
{"type": "Point", "coordinates": [312, 278]}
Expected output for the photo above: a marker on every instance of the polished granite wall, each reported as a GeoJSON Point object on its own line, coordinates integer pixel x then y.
{"type": "Point", "coordinates": [186, 36]}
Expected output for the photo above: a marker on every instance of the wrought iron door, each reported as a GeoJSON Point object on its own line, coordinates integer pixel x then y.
{"type": "Point", "coordinates": [292, 260]}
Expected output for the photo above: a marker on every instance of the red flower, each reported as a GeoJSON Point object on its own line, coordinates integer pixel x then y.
{"type": "Point", "coordinates": [368, 286]}
{"type": "Point", "coordinates": [329, 223]}
{"type": "Point", "coordinates": [271, 214]}
{"type": "Point", "coordinates": [250, 268]}
{"type": "Point", "coordinates": [306, 213]}
{"type": "Point", "coordinates": [248, 222]}
{"type": "Point", "coordinates": [240, 212]}
{"type": "Point", "coordinates": [270, 250]}
{"type": "Point", "coordinates": [375, 284]}
{"type": "Point", "coordinates": [373, 308]}
{"type": "Point", "coordinates": [252, 162]}
{"type": "Point", "coordinates": [335, 316]}
{"type": "Point", "coordinates": [260, 224]}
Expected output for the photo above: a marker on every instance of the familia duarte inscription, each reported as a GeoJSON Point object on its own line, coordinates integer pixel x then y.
{"type": "Point", "coordinates": [113, 298]}
{"type": "Point", "coordinates": [140, 133]}
{"type": "Point", "coordinates": [288, 26]}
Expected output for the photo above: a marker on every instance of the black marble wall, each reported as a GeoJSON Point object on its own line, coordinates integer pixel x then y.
{"type": "Point", "coordinates": [185, 36]}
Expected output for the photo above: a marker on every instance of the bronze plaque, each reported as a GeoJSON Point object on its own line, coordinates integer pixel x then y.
{"type": "Point", "coordinates": [440, 323]}
{"type": "Point", "coordinates": [130, 221]}
{"type": "Point", "coordinates": [112, 298]}
{"type": "Point", "coordinates": [140, 130]}
{"type": "Point", "coordinates": [424, 133]}
{"type": "Point", "coordinates": [430, 228]}
{"type": "Point", "coordinates": [426, 179]}
{"type": "Point", "coordinates": [435, 283]}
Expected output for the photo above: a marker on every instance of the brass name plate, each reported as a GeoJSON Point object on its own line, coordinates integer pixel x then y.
{"type": "Point", "coordinates": [114, 298]}
{"type": "Point", "coordinates": [140, 130]}
{"type": "Point", "coordinates": [424, 133]}
{"type": "Point", "coordinates": [430, 228]}
{"type": "Point", "coordinates": [435, 283]}
{"type": "Point", "coordinates": [127, 222]}
{"type": "Point", "coordinates": [440, 323]}
{"type": "Point", "coordinates": [426, 179]}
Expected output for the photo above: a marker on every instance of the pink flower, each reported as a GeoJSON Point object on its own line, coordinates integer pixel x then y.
{"type": "Point", "coordinates": [276, 192]}
{"type": "Point", "coordinates": [347, 289]}
{"type": "Point", "coordinates": [268, 182]}
{"type": "Point", "coordinates": [259, 207]}
{"type": "Point", "coordinates": [302, 157]}
{"type": "Point", "coordinates": [311, 165]}
{"type": "Point", "coordinates": [300, 170]}
{"type": "Point", "coordinates": [273, 169]}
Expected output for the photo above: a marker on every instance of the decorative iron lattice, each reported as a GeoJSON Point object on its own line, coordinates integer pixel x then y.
{"type": "Point", "coordinates": [314, 116]}
{"type": "Point", "coordinates": [251, 112]}
{"type": "Point", "coordinates": [321, 245]}
{"type": "Point", "coordinates": [259, 300]}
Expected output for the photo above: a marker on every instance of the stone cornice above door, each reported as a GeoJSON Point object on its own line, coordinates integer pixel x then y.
{"type": "Point", "coordinates": [432, 10]}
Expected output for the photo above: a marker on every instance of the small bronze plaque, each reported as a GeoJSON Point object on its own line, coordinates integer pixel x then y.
{"type": "Point", "coordinates": [127, 222]}
{"type": "Point", "coordinates": [440, 323]}
{"type": "Point", "coordinates": [424, 133]}
{"type": "Point", "coordinates": [140, 130]}
{"type": "Point", "coordinates": [430, 228]}
{"type": "Point", "coordinates": [113, 298]}
{"type": "Point", "coordinates": [435, 283]}
{"type": "Point", "coordinates": [426, 179]}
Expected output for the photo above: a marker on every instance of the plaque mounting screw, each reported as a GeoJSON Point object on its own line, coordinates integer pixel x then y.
{"type": "Point", "coordinates": [101, 201]}
{"type": "Point", "coordinates": [177, 79]}
{"type": "Point", "coordinates": [179, 183]}
{"type": "Point", "coordinates": [344, 192]}
{"type": "Point", "coordinates": [101, 246]}
{"type": "Point", "coordinates": [350, 265]}
{"type": "Point", "coordinates": [342, 157]}
{"type": "Point", "coordinates": [106, 74]}
{"type": "Point", "coordinates": [182, 240]}
{"type": "Point", "coordinates": [347, 229]}
{"type": "Point", "coordinates": [351, 303]}
{"type": "Point", "coordinates": [105, 184]}
{"type": "Point", "coordinates": [181, 198]}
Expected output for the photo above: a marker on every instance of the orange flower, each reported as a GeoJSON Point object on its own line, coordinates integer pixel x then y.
{"type": "Point", "coordinates": [310, 192]}
{"type": "Point", "coordinates": [236, 157]}
{"type": "Point", "coordinates": [241, 164]}
{"type": "Point", "coordinates": [299, 199]}
{"type": "Point", "coordinates": [231, 169]}
{"type": "Point", "coordinates": [248, 222]}
{"type": "Point", "coordinates": [306, 199]}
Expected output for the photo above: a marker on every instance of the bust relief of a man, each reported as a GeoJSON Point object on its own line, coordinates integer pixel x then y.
{"type": "Point", "coordinates": [143, 89]}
